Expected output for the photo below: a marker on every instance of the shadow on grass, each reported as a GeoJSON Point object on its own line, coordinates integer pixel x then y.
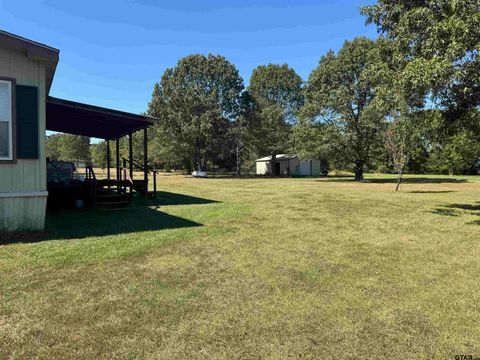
{"type": "Point", "coordinates": [445, 212]}
{"type": "Point", "coordinates": [457, 209]}
{"type": "Point", "coordinates": [468, 207]}
{"type": "Point", "coordinates": [168, 198]}
{"type": "Point", "coordinates": [415, 180]}
{"type": "Point", "coordinates": [431, 191]}
{"type": "Point", "coordinates": [142, 215]}
{"type": "Point", "coordinates": [419, 180]}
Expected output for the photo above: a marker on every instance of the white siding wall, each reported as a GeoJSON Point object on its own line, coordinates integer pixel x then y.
{"type": "Point", "coordinates": [22, 213]}
{"type": "Point", "coordinates": [26, 175]}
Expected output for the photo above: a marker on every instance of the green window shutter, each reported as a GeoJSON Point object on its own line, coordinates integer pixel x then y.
{"type": "Point", "coordinates": [27, 122]}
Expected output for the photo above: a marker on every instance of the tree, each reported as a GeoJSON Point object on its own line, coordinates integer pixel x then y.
{"type": "Point", "coordinates": [196, 101]}
{"type": "Point", "coordinates": [99, 154]}
{"type": "Point", "coordinates": [68, 147]}
{"type": "Point", "coordinates": [439, 41]}
{"type": "Point", "coordinates": [163, 151]}
{"type": "Point", "coordinates": [277, 91]}
{"type": "Point", "coordinates": [52, 147]}
{"type": "Point", "coordinates": [398, 144]}
{"type": "Point", "coordinates": [458, 155]}
{"type": "Point", "coordinates": [351, 92]}
{"type": "Point", "coordinates": [76, 148]}
{"type": "Point", "coordinates": [244, 129]}
{"type": "Point", "coordinates": [318, 140]}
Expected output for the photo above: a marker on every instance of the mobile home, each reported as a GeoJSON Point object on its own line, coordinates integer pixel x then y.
{"type": "Point", "coordinates": [27, 69]}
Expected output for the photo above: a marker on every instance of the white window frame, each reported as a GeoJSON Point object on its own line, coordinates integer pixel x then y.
{"type": "Point", "coordinates": [10, 121]}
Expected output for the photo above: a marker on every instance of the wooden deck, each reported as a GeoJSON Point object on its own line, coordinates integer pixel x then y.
{"type": "Point", "coordinates": [103, 192]}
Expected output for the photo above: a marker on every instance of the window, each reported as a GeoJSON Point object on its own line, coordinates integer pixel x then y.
{"type": "Point", "coordinates": [6, 121]}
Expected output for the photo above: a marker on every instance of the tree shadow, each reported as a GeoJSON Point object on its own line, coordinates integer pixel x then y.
{"type": "Point", "coordinates": [445, 212]}
{"type": "Point", "coordinates": [467, 207]}
{"type": "Point", "coordinates": [247, 177]}
{"type": "Point", "coordinates": [169, 198]}
{"type": "Point", "coordinates": [457, 209]}
{"type": "Point", "coordinates": [415, 180]}
{"type": "Point", "coordinates": [141, 215]}
{"type": "Point", "coordinates": [431, 191]}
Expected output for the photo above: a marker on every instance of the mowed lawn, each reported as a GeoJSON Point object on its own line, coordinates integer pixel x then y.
{"type": "Point", "coordinates": [253, 269]}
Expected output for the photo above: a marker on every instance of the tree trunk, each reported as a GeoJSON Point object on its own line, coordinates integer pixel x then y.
{"type": "Point", "coordinates": [239, 165]}
{"type": "Point", "coordinates": [359, 170]}
{"type": "Point", "coordinates": [399, 180]}
{"type": "Point", "coordinates": [272, 165]}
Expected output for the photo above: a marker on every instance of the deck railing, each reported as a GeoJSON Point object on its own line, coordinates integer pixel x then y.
{"type": "Point", "coordinates": [135, 164]}
{"type": "Point", "coordinates": [90, 175]}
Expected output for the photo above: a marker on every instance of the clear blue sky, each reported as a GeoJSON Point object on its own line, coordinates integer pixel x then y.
{"type": "Point", "coordinates": [113, 51]}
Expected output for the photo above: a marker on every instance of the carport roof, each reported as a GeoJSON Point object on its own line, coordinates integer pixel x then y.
{"type": "Point", "coordinates": [94, 121]}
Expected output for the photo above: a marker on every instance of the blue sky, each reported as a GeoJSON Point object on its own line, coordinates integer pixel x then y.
{"type": "Point", "coordinates": [113, 51]}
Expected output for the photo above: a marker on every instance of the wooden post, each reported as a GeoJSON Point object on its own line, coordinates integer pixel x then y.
{"type": "Point", "coordinates": [130, 153]}
{"type": "Point", "coordinates": [117, 156]}
{"type": "Point", "coordinates": [108, 159]}
{"type": "Point", "coordinates": [145, 160]}
{"type": "Point", "coordinates": [125, 174]}
{"type": "Point", "coordinates": [108, 163]}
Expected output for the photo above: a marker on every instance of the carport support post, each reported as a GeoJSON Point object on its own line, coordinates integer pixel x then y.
{"type": "Point", "coordinates": [108, 159]}
{"type": "Point", "coordinates": [108, 162]}
{"type": "Point", "coordinates": [117, 158]}
{"type": "Point", "coordinates": [145, 160]}
{"type": "Point", "coordinates": [130, 154]}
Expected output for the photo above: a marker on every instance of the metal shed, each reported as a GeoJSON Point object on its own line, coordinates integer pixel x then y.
{"type": "Point", "coordinates": [288, 164]}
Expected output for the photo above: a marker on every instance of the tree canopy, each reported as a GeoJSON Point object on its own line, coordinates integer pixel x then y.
{"type": "Point", "coordinates": [349, 91]}
{"type": "Point", "coordinates": [195, 102]}
{"type": "Point", "coordinates": [277, 92]}
{"type": "Point", "coordinates": [68, 147]}
{"type": "Point", "coordinates": [439, 41]}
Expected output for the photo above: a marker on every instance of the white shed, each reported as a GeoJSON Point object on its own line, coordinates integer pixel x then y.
{"type": "Point", "coordinates": [288, 164]}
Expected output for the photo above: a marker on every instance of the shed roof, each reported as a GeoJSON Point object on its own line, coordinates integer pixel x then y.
{"type": "Point", "coordinates": [278, 157]}
{"type": "Point", "coordinates": [94, 121]}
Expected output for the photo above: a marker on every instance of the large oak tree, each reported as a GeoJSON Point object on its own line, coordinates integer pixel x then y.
{"type": "Point", "coordinates": [439, 40]}
{"type": "Point", "coordinates": [277, 92]}
{"type": "Point", "coordinates": [196, 101]}
{"type": "Point", "coordinates": [349, 92]}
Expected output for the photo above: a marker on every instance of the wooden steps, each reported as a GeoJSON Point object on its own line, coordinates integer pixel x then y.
{"type": "Point", "coordinates": [115, 193]}
{"type": "Point", "coordinates": [112, 199]}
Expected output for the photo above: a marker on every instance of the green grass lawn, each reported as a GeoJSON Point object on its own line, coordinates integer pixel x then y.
{"type": "Point", "coordinates": [301, 268]}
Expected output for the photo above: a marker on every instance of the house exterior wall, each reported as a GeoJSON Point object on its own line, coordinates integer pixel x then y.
{"type": "Point", "coordinates": [23, 185]}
